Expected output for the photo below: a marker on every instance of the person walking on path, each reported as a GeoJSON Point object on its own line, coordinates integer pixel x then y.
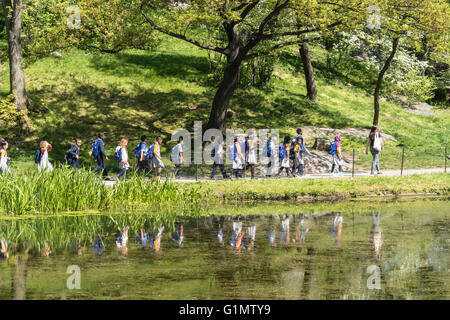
{"type": "Point", "coordinates": [238, 158]}
{"type": "Point", "coordinates": [100, 155]}
{"type": "Point", "coordinates": [335, 150]}
{"type": "Point", "coordinates": [73, 155]}
{"type": "Point", "coordinates": [42, 157]}
{"type": "Point", "coordinates": [122, 157]}
{"type": "Point", "coordinates": [375, 142]}
{"type": "Point", "coordinates": [141, 153]}
{"type": "Point", "coordinates": [157, 160]}
{"type": "Point", "coordinates": [176, 157]}
{"type": "Point", "coordinates": [4, 169]}
{"type": "Point", "coordinates": [250, 154]}
{"type": "Point", "coordinates": [284, 156]}
{"type": "Point", "coordinates": [270, 152]}
{"type": "Point", "coordinates": [217, 157]}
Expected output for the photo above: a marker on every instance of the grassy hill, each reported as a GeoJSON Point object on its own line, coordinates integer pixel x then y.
{"type": "Point", "coordinates": [138, 92]}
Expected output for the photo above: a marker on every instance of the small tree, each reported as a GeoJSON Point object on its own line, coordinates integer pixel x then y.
{"type": "Point", "coordinates": [409, 21]}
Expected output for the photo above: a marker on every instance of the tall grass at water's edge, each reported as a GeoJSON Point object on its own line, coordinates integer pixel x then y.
{"type": "Point", "coordinates": [65, 190]}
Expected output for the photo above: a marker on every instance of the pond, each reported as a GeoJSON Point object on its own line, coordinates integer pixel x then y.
{"type": "Point", "coordinates": [389, 250]}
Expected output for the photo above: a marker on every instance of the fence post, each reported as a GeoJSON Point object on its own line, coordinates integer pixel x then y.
{"type": "Point", "coordinates": [353, 163]}
{"type": "Point", "coordinates": [445, 162]}
{"type": "Point", "coordinates": [196, 172]}
{"type": "Point", "coordinates": [403, 157]}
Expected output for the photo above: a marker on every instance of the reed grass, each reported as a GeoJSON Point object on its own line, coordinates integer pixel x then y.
{"type": "Point", "coordinates": [64, 190]}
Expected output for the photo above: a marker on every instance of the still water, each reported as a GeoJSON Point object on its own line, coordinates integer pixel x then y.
{"type": "Point", "coordinates": [395, 251]}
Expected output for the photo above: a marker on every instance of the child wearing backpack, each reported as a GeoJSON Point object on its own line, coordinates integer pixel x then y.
{"type": "Point", "coordinates": [250, 154]}
{"type": "Point", "coordinates": [270, 152]}
{"type": "Point", "coordinates": [284, 156]}
{"type": "Point", "coordinates": [99, 154]}
{"type": "Point", "coordinates": [4, 157]}
{"type": "Point", "coordinates": [121, 156]}
{"type": "Point", "coordinates": [142, 155]}
{"type": "Point", "coordinates": [42, 156]}
{"type": "Point", "coordinates": [176, 156]}
{"type": "Point", "coordinates": [157, 163]}
{"type": "Point", "coordinates": [73, 155]}
{"type": "Point", "coordinates": [217, 156]}
{"type": "Point", "coordinates": [238, 158]}
{"type": "Point", "coordinates": [335, 151]}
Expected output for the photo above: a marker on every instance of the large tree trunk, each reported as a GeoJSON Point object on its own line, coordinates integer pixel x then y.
{"type": "Point", "coordinates": [230, 81]}
{"type": "Point", "coordinates": [309, 72]}
{"type": "Point", "coordinates": [217, 118]}
{"type": "Point", "coordinates": [13, 21]}
{"type": "Point", "coordinates": [376, 94]}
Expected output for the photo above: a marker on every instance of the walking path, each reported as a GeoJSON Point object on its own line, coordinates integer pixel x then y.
{"type": "Point", "coordinates": [318, 175]}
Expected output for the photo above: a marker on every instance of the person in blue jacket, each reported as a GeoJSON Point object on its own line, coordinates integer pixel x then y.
{"type": "Point", "coordinates": [101, 165]}
{"type": "Point", "coordinates": [73, 155]}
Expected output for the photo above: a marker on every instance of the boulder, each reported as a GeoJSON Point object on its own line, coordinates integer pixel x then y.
{"type": "Point", "coordinates": [322, 144]}
{"type": "Point", "coordinates": [423, 109]}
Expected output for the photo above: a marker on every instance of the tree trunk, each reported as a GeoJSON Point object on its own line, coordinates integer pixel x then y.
{"type": "Point", "coordinates": [235, 55]}
{"type": "Point", "coordinates": [309, 72]}
{"type": "Point", "coordinates": [376, 94]}
{"type": "Point", "coordinates": [13, 21]}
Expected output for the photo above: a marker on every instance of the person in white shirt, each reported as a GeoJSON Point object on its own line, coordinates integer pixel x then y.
{"type": "Point", "coordinates": [44, 163]}
{"type": "Point", "coordinates": [123, 164]}
{"type": "Point", "coordinates": [271, 153]}
{"type": "Point", "coordinates": [217, 156]}
{"type": "Point", "coordinates": [177, 157]}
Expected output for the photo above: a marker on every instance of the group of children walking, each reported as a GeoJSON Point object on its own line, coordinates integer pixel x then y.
{"type": "Point", "coordinates": [242, 152]}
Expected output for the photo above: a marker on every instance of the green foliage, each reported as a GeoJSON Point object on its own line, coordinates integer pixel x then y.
{"type": "Point", "coordinates": [417, 88]}
{"type": "Point", "coordinates": [10, 117]}
{"type": "Point", "coordinates": [109, 26]}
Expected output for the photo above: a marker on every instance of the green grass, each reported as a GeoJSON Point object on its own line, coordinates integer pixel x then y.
{"type": "Point", "coordinates": [324, 188]}
{"type": "Point", "coordinates": [136, 92]}
{"type": "Point", "coordinates": [64, 190]}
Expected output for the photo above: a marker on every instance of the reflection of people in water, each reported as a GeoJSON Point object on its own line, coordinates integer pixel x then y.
{"type": "Point", "coordinates": [77, 247]}
{"type": "Point", "coordinates": [155, 240]}
{"type": "Point", "coordinates": [4, 249]}
{"type": "Point", "coordinates": [249, 240]}
{"type": "Point", "coordinates": [122, 240]}
{"type": "Point", "coordinates": [178, 235]}
{"type": "Point", "coordinates": [99, 245]}
{"type": "Point", "coordinates": [237, 235]}
{"type": "Point", "coordinates": [271, 234]}
{"type": "Point", "coordinates": [143, 237]}
{"type": "Point", "coordinates": [47, 250]}
{"type": "Point", "coordinates": [377, 233]}
{"type": "Point", "coordinates": [300, 234]}
{"type": "Point", "coordinates": [336, 229]}
{"type": "Point", "coordinates": [220, 233]}
{"type": "Point", "coordinates": [285, 240]}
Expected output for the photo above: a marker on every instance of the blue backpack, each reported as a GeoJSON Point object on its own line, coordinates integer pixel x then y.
{"type": "Point", "coordinates": [282, 151]}
{"type": "Point", "coordinates": [150, 151]}
{"type": "Point", "coordinates": [268, 149]}
{"type": "Point", "coordinates": [137, 151]}
{"type": "Point", "coordinates": [118, 155]}
{"type": "Point", "coordinates": [37, 157]}
{"type": "Point", "coordinates": [246, 148]}
{"type": "Point", "coordinates": [332, 148]}
{"type": "Point", "coordinates": [94, 148]}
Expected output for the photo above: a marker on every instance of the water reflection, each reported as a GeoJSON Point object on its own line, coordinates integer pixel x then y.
{"type": "Point", "coordinates": [282, 256]}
